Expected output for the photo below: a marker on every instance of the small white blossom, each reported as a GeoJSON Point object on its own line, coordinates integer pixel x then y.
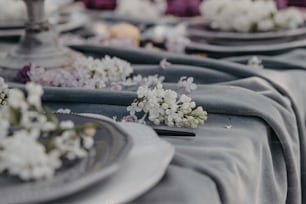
{"type": "Point", "coordinates": [3, 91]}
{"type": "Point", "coordinates": [255, 62]}
{"type": "Point", "coordinates": [67, 124]}
{"type": "Point", "coordinates": [177, 44]}
{"type": "Point", "coordinates": [116, 87]}
{"type": "Point", "coordinates": [187, 84]}
{"type": "Point", "coordinates": [16, 99]}
{"type": "Point", "coordinates": [32, 119]}
{"type": "Point", "coordinates": [34, 94]}
{"type": "Point", "coordinates": [70, 145]}
{"type": "Point", "coordinates": [63, 111]}
{"type": "Point", "coordinates": [164, 63]}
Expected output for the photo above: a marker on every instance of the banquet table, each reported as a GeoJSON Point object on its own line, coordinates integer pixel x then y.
{"type": "Point", "coordinates": [251, 150]}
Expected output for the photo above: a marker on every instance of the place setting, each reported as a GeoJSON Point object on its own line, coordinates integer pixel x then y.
{"type": "Point", "coordinates": [73, 151]}
{"type": "Point", "coordinates": [226, 29]}
{"type": "Point", "coordinates": [250, 28]}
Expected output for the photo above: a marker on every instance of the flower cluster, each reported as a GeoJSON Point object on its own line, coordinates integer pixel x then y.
{"type": "Point", "coordinates": [85, 73]}
{"type": "Point", "coordinates": [142, 9]}
{"type": "Point", "coordinates": [162, 106]}
{"type": "Point", "coordinates": [108, 69]}
{"type": "Point", "coordinates": [250, 16]}
{"type": "Point", "coordinates": [3, 92]}
{"type": "Point", "coordinates": [33, 142]}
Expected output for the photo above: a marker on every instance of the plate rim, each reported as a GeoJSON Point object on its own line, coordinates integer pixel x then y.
{"type": "Point", "coordinates": [215, 34]}
{"type": "Point", "coordinates": [205, 47]}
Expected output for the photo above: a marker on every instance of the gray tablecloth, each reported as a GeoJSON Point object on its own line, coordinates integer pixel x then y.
{"type": "Point", "coordinates": [252, 149]}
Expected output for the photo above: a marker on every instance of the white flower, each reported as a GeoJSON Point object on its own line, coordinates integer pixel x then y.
{"type": "Point", "coordinates": [67, 124]}
{"type": "Point", "coordinates": [88, 142]}
{"type": "Point", "coordinates": [34, 94]}
{"type": "Point", "coordinates": [63, 111]}
{"type": "Point", "coordinates": [249, 16]}
{"type": "Point", "coordinates": [107, 70]}
{"type": "Point", "coordinates": [266, 25]}
{"type": "Point", "coordinates": [4, 125]}
{"type": "Point", "coordinates": [16, 99]}
{"type": "Point", "coordinates": [255, 62]}
{"type": "Point", "coordinates": [177, 44]}
{"type": "Point", "coordinates": [162, 106]}
{"type": "Point", "coordinates": [70, 145]}
{"type": "Point", "coordinates": [164, 63]}
{"type": "Point", "coordinates": [23, 156]}
{"type": "Point", "coordinates": [187, 84]}
{"type": "Point", "coordinates": [32, 119]}
{"type": "Point", "coordinates": [33, 141]}
{"type": "Point", "coordinates": [116, 86]}
{"type": "Point", "coordinates": [3, 91]}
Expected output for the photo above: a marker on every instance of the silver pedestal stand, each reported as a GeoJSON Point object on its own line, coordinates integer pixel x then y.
{"type": "Point", "coordinates": [39, 45]}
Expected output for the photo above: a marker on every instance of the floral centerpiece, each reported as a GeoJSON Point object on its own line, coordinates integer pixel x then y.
{"type": "Point", "coordinates": [249, 16]}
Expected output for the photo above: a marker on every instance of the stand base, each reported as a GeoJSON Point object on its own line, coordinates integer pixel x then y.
{"type": "Point", "coordinates": [11, 63]}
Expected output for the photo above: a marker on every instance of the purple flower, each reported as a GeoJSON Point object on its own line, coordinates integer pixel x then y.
{"type": "Point", "coordinates": [23, 74]}
{"type": "Point", "coordinates": [100, 4]}
{"type": "Point", "coordinates": [281, 4]}
{"type": "Point", "coordinates": [183, 8]}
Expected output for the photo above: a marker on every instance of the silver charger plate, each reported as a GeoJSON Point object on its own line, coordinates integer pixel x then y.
{"type": "Point", "coordinates": [199, 28]}
{"type": "Point", "coordinates": [112, 146]}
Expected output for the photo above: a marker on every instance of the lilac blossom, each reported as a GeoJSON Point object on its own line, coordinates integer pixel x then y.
{"type": "Point", "coordinates": [187, 84]}
{"type": "Point", "coordinates": [164, 63]}
{"type": "Point", "coordinates": [177, 44]}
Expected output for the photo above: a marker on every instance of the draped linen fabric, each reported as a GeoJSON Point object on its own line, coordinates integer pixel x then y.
{"type": "Point", "coordinates": [252, 149]}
